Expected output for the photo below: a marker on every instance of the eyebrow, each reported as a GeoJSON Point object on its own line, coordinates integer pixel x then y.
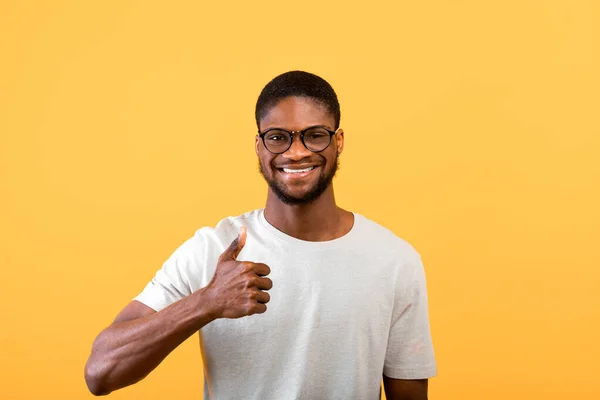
{"type": "Point", "coordinates": [283, 129]}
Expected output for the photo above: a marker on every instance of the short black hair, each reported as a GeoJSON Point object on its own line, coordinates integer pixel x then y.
{"type": "Point", "coordinates": [300, 84]}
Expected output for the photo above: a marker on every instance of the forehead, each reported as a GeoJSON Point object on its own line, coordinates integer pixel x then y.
{"type": "Point", "coordinates": [296, 113]}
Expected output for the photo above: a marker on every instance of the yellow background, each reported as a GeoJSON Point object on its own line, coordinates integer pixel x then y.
{"type": "Point", "coordinates": [472, 130]}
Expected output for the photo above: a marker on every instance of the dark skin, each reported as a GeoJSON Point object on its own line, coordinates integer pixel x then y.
{"type": "Point", "coordinates": [322, 219]}
{"type": "Point", "coordinates": [405, 389]}
{"type": "Point", "coordinates": [140, 338]}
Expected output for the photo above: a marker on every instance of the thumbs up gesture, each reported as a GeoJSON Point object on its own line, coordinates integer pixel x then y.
{"type": "Point", "coordinates": [238, 288]}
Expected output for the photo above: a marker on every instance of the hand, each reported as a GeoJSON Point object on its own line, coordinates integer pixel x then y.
{"type": "Point", "coordinates": [237, 287]}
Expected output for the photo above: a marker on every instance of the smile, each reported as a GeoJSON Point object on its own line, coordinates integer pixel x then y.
{"type": "Point", "coordinates": [295, 174]}
{"type": "Point", "coordinates": [297, 171]}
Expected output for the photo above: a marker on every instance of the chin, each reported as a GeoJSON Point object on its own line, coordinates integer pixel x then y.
{"type": "Point", "coordinates": [303, 194]}
{"type": "Point", "coordinates": [298, 198]}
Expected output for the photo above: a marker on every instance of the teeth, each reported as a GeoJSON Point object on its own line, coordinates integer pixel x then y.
{"type": "Point", "coordinates": [297, 171]}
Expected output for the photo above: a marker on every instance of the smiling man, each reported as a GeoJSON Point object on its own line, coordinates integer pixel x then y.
{"type": "Point", "coordinates": [298, 300]}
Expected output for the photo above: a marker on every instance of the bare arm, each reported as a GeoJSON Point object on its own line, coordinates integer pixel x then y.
{"type": "Point", "coordinates": [139, 339]}
{"type": "Point", "coordinates": [403, 389]}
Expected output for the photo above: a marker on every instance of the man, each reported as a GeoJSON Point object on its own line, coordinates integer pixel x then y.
{"type": "Point", "coordinates": [309, 301]}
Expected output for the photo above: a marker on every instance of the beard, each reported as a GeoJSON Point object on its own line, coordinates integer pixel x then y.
{"type": "Point", "coordinates": [325, 179]}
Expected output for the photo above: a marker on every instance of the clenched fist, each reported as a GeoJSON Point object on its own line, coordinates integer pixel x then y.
{"type": "Point", "coordinates": [238, 287]}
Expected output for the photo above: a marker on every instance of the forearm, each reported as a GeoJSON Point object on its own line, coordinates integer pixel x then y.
{"type": "Point", "coordinates": [401, 389]}
{"type": "Point", "coordinates": [127, 351]}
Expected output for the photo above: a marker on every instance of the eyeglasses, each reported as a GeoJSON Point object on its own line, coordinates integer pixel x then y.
{"type": "Point", "coordinates": [314, 138]}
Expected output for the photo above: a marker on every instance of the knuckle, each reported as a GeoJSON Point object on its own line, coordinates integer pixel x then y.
{"type": "Point", "coordinates": [246, 267]}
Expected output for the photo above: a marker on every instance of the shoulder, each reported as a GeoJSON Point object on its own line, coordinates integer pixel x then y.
{"type": "Point", "coordinates": [208, 242]}
{"type": "Point", "coordinates": [385, 241]}
{"type": "Point", "coordinates": [225, 231]}
{"type": "Point", "coordinates": [404, 259]}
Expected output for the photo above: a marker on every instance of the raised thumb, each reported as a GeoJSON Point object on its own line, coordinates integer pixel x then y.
{"type": "Point", "coordinates": [237, 245]}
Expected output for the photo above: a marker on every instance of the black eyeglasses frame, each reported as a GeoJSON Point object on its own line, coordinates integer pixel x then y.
{"type": "Point", "coordinates": [301, 133]}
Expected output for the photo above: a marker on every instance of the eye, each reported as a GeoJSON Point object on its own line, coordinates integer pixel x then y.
{"type": "Point", "coordinates": [277, 136]}
{"type": "Point", "coordinates": [316, 135]}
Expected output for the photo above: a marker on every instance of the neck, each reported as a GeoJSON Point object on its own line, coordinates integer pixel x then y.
{"type": "Point", "coordinates": [317, 221]}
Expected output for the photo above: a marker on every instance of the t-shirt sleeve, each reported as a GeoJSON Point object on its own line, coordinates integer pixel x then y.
{"type": "Point", "coordinates": [176, 279]}
{"type": "Point", "coordinates": [409, 353]}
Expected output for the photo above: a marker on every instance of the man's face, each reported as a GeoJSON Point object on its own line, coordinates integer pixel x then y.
{"type": "Point", "coordinates": [296, 114]}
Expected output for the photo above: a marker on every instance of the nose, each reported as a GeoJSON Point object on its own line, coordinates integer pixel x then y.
{"type": "Point", "coordinates": [297, 150]}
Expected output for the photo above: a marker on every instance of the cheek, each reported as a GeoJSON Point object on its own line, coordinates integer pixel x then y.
{"type": "Point", "coordinates": [330, 157]}
{"type": "Point", "coordinates": [266, 161]}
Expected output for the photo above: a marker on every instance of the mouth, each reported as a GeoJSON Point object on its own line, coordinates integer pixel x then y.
{"type": "Point", "coordinates": [297, 172]}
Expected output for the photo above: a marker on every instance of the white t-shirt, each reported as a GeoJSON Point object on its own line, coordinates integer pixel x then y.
{"type": "Point", "coordinates": [342, 312]}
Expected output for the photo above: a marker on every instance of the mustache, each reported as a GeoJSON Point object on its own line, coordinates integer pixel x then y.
{"type": "Point", "coordinates": [304, 161]}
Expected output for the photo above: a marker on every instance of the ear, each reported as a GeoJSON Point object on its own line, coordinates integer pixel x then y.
{"type": "Point", "coordinates": [340, 141]}
{"type": "Point", "coordinates": [256, 144]}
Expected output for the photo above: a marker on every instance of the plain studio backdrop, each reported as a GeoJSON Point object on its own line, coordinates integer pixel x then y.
{"type": "Point", "coordinates": [472, 130]}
